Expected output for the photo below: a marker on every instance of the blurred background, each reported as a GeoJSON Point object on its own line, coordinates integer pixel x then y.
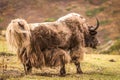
{"type": "Point", "coordinates": [104, 64]}
{"type": "Point", "coordinates": [107, 11]}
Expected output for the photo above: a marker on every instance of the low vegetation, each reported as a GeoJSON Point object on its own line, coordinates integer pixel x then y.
{"type": "Point", "coordinates": [3, 45]}
{"type": "Point", "coordinates": [114, 49]}
{"type": "Point", "coordinates": [105, 22]}
{"type": "Point", "coordinates": [1, 19]}
{"type": "Point", "coordinates": [103, 66]}
{"type": "Point", "coordinates": [50, 19]}
{"type": "Point", "coordinates": [95, 67]}
{"type": "Point", "coordinates": [94, 11]}
{"type": "Point", "coordinates": [71, 7]}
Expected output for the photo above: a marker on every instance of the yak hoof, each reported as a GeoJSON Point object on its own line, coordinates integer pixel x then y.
{"type": "Point", "coordinates": [28, 71]}
{"type": "Point", "coordinates": [79, 72]}
{"type": "Point", "coordinates": [62, 72]}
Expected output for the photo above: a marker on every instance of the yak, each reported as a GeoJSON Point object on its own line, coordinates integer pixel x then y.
{"type": "Point", "coordinates": [52, 43]}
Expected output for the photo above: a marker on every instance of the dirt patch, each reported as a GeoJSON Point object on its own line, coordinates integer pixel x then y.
{"type": "Point", "coordinates": [6, 54]}
{"type": "Point", "coordinates": [10, 74]}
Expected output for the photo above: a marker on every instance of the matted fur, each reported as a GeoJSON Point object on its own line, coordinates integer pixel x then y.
{"type": "Point", "coordinates": [52, 57]}
{"type": "Point", "coordinates": [15, 36]}
{"type": "Point", "coordinates": [35, 45]}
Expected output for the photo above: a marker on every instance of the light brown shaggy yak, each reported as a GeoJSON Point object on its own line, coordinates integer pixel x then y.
{"type": "Point", "coordinates": [47, 44]}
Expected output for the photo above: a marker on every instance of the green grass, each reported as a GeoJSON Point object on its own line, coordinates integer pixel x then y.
{"type": "Point", "coordinates": [100, 1]}
{"type": "Point", "coordinates": [94, 66]}
{"type": "Point", "coordinates": [1, 19]}
{"type": "Point", "coordinates": [4, 48]}
{"type": "Point", "coordinates": [50, 19]}
{"type": "Point", "coordinates": [114, 49]}
{"type": "Point", "coordinates": [94, 11]}
{"type": "Point", "coordinates": [71, 7]}
{"type": "Point", "coordinates": [105, 22]}
{"type": "Point", "coordinates": [3, 45]}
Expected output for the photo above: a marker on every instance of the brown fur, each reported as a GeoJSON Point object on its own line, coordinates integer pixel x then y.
{"type": "Point", "coordinates": [52, 57]}
{"type": "Point", "coordinates": [46, 44]}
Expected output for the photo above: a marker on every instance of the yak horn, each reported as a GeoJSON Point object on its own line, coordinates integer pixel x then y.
{"type": "Point", "coordinates": [96, 27]}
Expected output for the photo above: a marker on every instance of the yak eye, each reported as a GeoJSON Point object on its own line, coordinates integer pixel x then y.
{"type": "Point", "coordinates": [93, 32]}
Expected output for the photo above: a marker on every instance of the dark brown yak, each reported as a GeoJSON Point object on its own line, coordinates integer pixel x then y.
{"type": "Point", "coordinates": [47, 44]}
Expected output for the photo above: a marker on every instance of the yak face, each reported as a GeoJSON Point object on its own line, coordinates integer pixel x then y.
{"type": "Point", "coordinates": [90, 38]}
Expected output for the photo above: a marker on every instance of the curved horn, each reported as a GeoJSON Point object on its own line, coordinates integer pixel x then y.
{"type": "Point", "coordinates": [91, 28]}
{"type": "Point", "coordinates": [97, 25]}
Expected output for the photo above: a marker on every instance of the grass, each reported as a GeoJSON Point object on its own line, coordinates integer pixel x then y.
{"type": "Point", "coordinates": [3, 46]}
{"type": "Point", "coordinates": [94, 66]}
{"type": "Point", "coordinates": [1, 19]}
{"type": "Point", "coordinates": [99, 2]}
{"type": "Point", "coordinates": [114, 49]}
{"type": "Point", "coordinates": [71, 7]}
{"type": "Point", "coordinates": [50, 20]}
{"type": "Point", "coordinates": [105, 22]}
{"type": "Point", "coordinates": [94, 11]}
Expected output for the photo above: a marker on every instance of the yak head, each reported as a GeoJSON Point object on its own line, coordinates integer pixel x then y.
{"type": "Point", "coordinates": [90, 38]}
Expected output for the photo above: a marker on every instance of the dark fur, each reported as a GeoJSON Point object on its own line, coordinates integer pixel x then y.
{"type": "Point", "coordinates": [50, 41]}
{"type": "Point", "coordinates": [48, 37]}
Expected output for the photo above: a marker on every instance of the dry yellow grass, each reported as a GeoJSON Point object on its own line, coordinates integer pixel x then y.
{"type": "Point", "coordinates": [94, 66]}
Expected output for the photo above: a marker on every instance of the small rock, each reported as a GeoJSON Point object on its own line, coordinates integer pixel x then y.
{"type": "Point", "coordinates": [112, 60]}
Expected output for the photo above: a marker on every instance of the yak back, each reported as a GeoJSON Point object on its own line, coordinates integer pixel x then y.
{"type": "Point", "coordinates": [51, 35]}
{"type": "Point", "coordinates": [45, 37]}
{"type": "Point", "coordinates": [67, 35]}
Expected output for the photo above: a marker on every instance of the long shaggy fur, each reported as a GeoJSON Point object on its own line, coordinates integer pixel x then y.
{"type": "Point", "coordinates": [47, 41]}
{"type": "Point", "coordinates": [66, 33]}
{"type": "Point", "coordinates": [16, 36]}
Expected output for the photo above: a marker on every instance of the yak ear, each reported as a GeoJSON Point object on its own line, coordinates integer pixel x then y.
{"type": "Point", "coordinates": [93, 32]}
{"type": "Point", "coordinates": [21, 24]}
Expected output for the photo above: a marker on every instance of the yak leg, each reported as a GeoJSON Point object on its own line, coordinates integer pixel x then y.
{"type": "Point", "coordinates": [78, 68]}
{"type": "Point", "coordinates": [62, 70]}
{"type": "Point", "coordinates": [26, 62]}
{"type": "Point", "coordinates": [27, 68]}
{"type": "Point", "coordinates": [75, 55]}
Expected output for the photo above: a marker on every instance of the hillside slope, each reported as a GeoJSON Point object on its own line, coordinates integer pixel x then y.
{"type": "Point", "coordinates": [107, 12]}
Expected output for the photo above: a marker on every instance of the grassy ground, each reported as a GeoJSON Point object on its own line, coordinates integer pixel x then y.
{"type": "Point", "coordinates": [94, 66]}
{"type": "Point", "coordinates": [3, 46]}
